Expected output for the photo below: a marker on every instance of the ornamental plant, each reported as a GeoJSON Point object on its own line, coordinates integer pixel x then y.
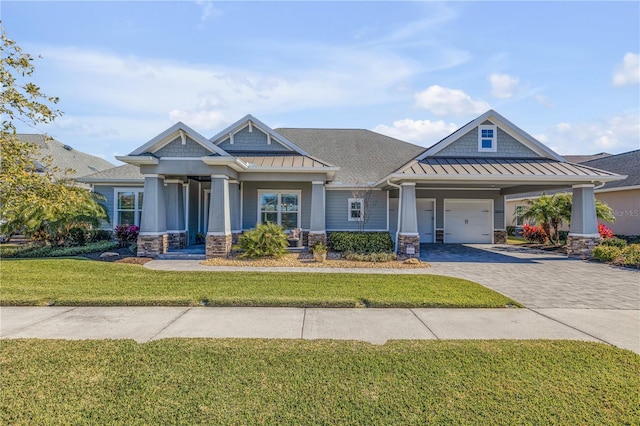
{"type": "Point", "coordinates": [604, 231]}
{"type": "Point", "coordinates": [267, 240]}
{"type": "Point", "coordinates": [534, 234]}
{"type": "Point", "coordinates": [126, 234]}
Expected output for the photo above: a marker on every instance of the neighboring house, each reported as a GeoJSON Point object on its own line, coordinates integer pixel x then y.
{"type": "Point", "coordinates": [64, 157]}
{"type": "Point", "coordinates": [623, 196]}
{"type": "Point", "coordinates": [180, 184]}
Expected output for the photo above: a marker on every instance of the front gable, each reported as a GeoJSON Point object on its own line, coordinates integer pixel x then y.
{"type": "Point", "coordinates": [179, 141]}
{"type": "Point", "coordinates": [250, 135]}
{"type": "Point", "coordinates": [500, 139]}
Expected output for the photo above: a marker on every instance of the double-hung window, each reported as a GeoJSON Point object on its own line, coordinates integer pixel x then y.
{"type": "Point", "coordinates": [487, 138]}
{"type": "Point", "coordinates": [128, 206]}
{"type": "Point", "coordinates": [356, 209]}
{"type": "Point", "coordinates": [281, 207]}
{"type": "Point", "coordinates": [520, 210]}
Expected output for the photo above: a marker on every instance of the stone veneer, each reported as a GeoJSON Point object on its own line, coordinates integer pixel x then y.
{"type": "Point", "coordinates": [235, 238]}
{"type": "Point", "coordinates": [177, 240]}
{"type": "Point", "coordinates": [315, 237]}
{"type": "Point", "coordinates": [581, 247]}
{"type": "Point", "coordinates": [152, 245]}
{"type": "Point", "coordinates": [439, 236]}
{"type": "Point", "coordinates": [405, 240]}
{"type": "Point", "coordinates": [499, 236]}
{"type": "Point", "coordinates": [218, 245]}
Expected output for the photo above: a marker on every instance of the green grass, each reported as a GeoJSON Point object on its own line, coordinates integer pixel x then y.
{"type": "Point", "coordinates": [200, 381]}
{"type": "Point", "coordinates": [516, 240]}
{"type": "Point", "coordinates": [82, 282]}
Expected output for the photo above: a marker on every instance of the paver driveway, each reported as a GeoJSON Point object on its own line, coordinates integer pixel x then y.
{"type": "Point", "coordinates": [537, 279]}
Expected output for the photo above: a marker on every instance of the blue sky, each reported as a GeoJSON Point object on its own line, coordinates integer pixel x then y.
{"type": "Point", "coordinates": [566, 72]}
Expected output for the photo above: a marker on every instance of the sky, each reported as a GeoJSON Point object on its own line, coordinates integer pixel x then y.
{"type": "Point", "coordinates": [567, 73]}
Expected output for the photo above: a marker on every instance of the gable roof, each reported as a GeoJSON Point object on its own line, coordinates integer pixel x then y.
{"type": "Point", "coordinates": [362, 155]}
{"type": "Point", "coordinates": [65, 157]}
{"type": "Point", "coordinates": [582, 158]}
{"type": "Point", "coordinates": [250, 120]}
{"type": "Point", "coordinates": [122, 174]}
{"type": "Point", "coordinates": [505, 125]}
{"type": "Point", "coordinates": [627, 163]}
{"type": "Point", "coordinates": [169, 135]}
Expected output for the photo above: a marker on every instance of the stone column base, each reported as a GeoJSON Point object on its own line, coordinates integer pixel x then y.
{"type": "Point", "coordinates": [152, 245]}
{"type": "Point", "coordinates": [440, 236]}
{"type": "Point", "coordinates": [235, 237]}
{"type": "Point", "coordinates": [315, 237]}
{"type": "Point", "coordinates": [218, 245]}
{"type": "Point", "coordinates": [581, 247]}
{"type": "Point", "coordinates": [499, 236]}
{"type": "Point", "coordinates": [177, 240]}
{"type": "Point", "coordinates": [408, 240]}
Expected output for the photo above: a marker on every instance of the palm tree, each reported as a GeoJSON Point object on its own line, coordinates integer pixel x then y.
{"type": "Point", "coordinates": [541, 211]}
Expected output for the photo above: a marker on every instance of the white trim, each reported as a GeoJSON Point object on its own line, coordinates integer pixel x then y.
{"type": "Point", "coordinates": [205, 213]}
{"type": "Point", "coordinates": [152, 175]}
{"type": "Point", "coordinates": [231, 138]}
{"type": "Point", "coordinates": [408, 184]}
{"type": "Point", "coordinates": [620, 188]}
{"type": "Point", "coordinates": [317, 182]}
{"type": "Point", "coordinates": [278, 211]}
{"type": "Point", "coordinates": [179, 181]}
{"type": "Point", "coordinates": [268, 138]}
{"type": "Point", "coordinates": [171, 134]}
{"type": "Point", "coordinates": [429, 188]}
{"type": "Point", "coordinates": [466, 200]}
{"type": "Point", "coordinates": [409, 234]}
{"type": "Point", "coordinates": [494, 138]}
{"type": "Point", "coordinates": [388, 211]}
{"type": "Point", "coordinates": [433, 200]}
{"type": "Point", "coordinates": [138, 160]}
{"type": "Point", "coordinates": [175, 231]}
{"type": "Point", "coordinates": [185, 198]}
{"type": "Point", "coordinates": [218, 234]}
{"type": "Point", "coordinates": [233, 181]}
{"type": "Point", "coordinates": [507, 178]}
{"type": "Point", "coordinates": [183, 137]}
{"type": "Point", "coordinates": [583, 235]}
{"type": "Point", "coordinates": [250, 127]}
{"type": "Point", "coordinates": [331, 187]}
{"type": "Point", "coordinates": [515, 214]}
{"type": "Point", "coordinates": [152, 234]}
{"type": "Point", "coordinates": [200, 212]}
{"type": "Point", "coordinates": [241, 204]}
{"type": "Point", "coordinates": [181, 158]}
{"type": "Point", "coordinates": [583, 186]}
{"type": "Point", "coordinates": [219, 177]}
{"type": "Point", "coordinates": [351, 230]}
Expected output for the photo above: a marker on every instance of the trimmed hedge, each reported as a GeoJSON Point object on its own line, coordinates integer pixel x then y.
{"type": "Point", "coordinates": [361, 242]}
{"type": "Point", "coordinates": [606, 253]}
{"type": "Point", "coordinates": [614, 242]}
{"type": "Point", "coordinates": [32, 251]}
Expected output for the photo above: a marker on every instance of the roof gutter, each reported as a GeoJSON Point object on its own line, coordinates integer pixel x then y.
{"type": "Point", "coordinates": [138, 160]}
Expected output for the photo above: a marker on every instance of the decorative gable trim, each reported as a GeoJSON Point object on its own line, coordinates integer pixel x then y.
{"type": "Point", "coordinates": [178, 130]}
{"type": "Point", "coordinates": [251, 122]}
{"type": "Point", "coordinates": [503, 124]}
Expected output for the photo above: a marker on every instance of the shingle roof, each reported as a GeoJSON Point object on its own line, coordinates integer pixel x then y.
{"type": "Point", "coordinates": [346, 148]}
{"type": "Point", "coordinates": [627, 163]}
{"type": "Point", "coordinates": [127, 172]}
{"type": "Point", "coordinates": [583, 158]}
{"type": "Point", "coordinates": [65, 157]}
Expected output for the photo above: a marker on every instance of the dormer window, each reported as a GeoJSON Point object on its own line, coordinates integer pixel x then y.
{"type": "Point", "coordinates": [487, 138]}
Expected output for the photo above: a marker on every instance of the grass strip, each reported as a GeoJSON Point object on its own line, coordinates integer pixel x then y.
{"type": "Point", "coordinates": [76, 282]}
{"type": "Point", "coordinates": [201, 381]}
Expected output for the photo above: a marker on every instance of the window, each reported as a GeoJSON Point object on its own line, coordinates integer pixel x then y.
{"type": "Point", "coordinates": [487, 138]}
{"type": "Point", "coordinates": [356, 209]}
{"type": "Point", "coordinates": [520, 209]}
{"type": "Point", "coordinates": [128, 206]}
{"type": "Point", "coordinates": [281, 207]}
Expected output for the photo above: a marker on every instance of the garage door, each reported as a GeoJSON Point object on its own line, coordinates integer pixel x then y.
{"type": "Point", "coordinates": [468, 221]}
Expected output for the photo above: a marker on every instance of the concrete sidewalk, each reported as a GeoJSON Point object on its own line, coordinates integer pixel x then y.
{"type": "Point", "coordinates": [616, 327]}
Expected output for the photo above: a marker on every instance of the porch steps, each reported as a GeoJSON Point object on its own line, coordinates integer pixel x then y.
{"type": "Point", "coordinates": [189, 253]}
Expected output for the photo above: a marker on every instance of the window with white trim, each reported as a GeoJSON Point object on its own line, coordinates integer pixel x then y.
{"type": "Point", "coordinates": [520, 210]}
{"type": "Point", "coordinates": [281, 207]}
{"type": "Point", "coordinates": [487, 138]}
{"type": "Point", "coordinates": [356, 209]}
{"type": "Point", "coordinates": [128, 206]}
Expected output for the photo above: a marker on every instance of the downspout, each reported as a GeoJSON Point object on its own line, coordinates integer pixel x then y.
{"type": "Point", "coordinates": [399, 209]}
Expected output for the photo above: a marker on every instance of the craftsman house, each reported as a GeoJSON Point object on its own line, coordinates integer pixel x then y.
{"type": "Point", "coordinates": [181, 184]}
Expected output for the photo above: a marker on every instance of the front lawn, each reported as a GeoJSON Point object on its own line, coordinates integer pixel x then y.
{"type": "Point", "coordinates": [201, 381]}
{"type": "Point", "coordinates": [83, 282]}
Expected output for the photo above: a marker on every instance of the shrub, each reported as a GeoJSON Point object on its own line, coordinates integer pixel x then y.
{"type": "Point", "coordinates": [126, 234]}
{"type": "Point", "coordinates": [631, 255]}
{"type": "Point", "coordinates": [50, 251]}
{"type": "Point", "coordinates": [630, 239]}
{"type": "Point", "coordinates": [370, 257]}
{"type": "Point", "coordinates": [605, 253]}
{"type": "Point", "coordinates": [268, 239]}
{"type": "Point", "coordinates": [563, 235]}
{"type": "Point", "coordinates": [361, 242]}
{"type": "Point", "coordinates": [511, 231]}
{"type": "Point", "coordinates": [319, 247]}
{"type": "Point", "coordinates": [604, 231]}
{"type": "Point", "coordinates": [614, 242]}
{"type": "Point", "coordinates": [95, 235]}
{"type": "Point", "coordinates": [78, 236]}
{"type": "Point", "coordinates": [534, 234]}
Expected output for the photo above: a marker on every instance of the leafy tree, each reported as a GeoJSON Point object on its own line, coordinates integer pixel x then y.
{"type": "Point", "coordinates": [552, 211]}
{"type": "Point", "coordinates": [30, 199]}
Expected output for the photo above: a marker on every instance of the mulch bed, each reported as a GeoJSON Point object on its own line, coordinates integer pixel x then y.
{"type": "Point", "coordinates": [124, 256]}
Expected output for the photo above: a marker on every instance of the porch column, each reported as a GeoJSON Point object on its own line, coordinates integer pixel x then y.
{"type": "Point", "coordinates": [176, 229]}
{"type": "Point", "coordinates": [152, 240]}
{"type": "Point", "coordinates": [234, 209]}
{"type": "Point", "coordinates": [408, 232]}
{"type": "Point", "coordinates": [317, 228]}
{"type": "Point", "coordinates": [219, 230]}
{"type": "Point", "coordinates": [583, 232]}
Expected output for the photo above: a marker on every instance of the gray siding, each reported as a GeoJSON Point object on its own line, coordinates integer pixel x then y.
{"type": "Point", "coordinates": [192, 220]}
{"type": "Point", "coordinates": [498, 203]}
{"type": "Point", "coordinates": [250, 200]}
{"type": "Point", "coordinates": [255, 141]}
{"type": "Point", "coordinates": [107, 192]}
{"type": "Point", "coordinates": [176, 149]}
{"type": "Point", "coordinates": [467, 146]}
{"type": "Point", "coordinates": [337, 213]}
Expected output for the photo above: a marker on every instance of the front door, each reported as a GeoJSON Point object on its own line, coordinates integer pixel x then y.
{"type": "Point", "coordinates": [425, 213]}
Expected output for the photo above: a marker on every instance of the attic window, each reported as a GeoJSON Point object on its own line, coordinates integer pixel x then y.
{"type": "Point", "coordinates": [487, 138]}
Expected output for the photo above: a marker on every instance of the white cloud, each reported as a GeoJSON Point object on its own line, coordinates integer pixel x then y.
{"type": "Point", "coordinates": [449, 102]}
{"type": "Point", "coordinates": [421, 132]}
{"type": "Point", "coordinates": [614, 134]}
{"type": "Point", "coordinates": [503, 85]}
{"type": "Point", "coordinates": [629, 71]}
{"type": "Point", "coordinates": [543, 100]}
{"type": "Point", "coordinates": [207, 9]}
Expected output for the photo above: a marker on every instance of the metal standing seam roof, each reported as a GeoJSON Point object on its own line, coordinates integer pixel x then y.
{"type": "Point", "coordinates": [494, 167]}
{"type": "Point", "coordinates": [284, 161]}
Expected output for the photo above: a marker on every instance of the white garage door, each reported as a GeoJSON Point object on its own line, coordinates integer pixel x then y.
{"type": "Point", "coordinates": [425, 213]}
{"type": "Point", "coordinates": [468, 221]}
